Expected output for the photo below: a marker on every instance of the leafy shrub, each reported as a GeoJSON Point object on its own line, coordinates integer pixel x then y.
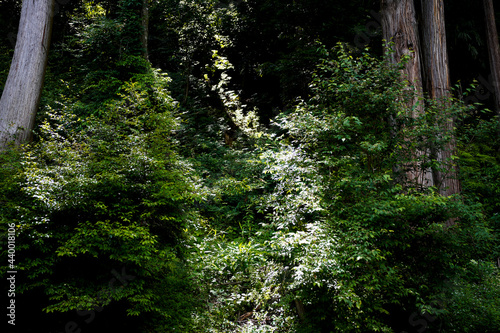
{"type": "Point", "coordinates": [352, 235]}
{"type": "Point", "coordinates": [104, 197]}
{"type": "Point", "coordinates": [473, 301]}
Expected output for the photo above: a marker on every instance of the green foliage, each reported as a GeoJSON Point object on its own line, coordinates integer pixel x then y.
{"type": "Point", "coordinates": [98, 55]}
{"type": "Point", "coordinates": [480, 163]}
{"type": "Point", "coordinates": [352, 236]}
{"type": "Point", "coordinates": [473, 302]}
{"type": "Point", "coordinates": [318, 236]}
{"type": "Point", "coordinates": [192, 216]}
{"type": "Point", "coordinates": [103, 193]}
{"type": "Point", "coordinates": [107, 38]}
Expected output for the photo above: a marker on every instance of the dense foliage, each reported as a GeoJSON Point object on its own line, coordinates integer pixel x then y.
{"type": "Point", "coordinates": [254, 175]}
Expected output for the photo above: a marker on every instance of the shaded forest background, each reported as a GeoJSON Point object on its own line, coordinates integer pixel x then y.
{"type": "Point", "coordinates": [245, 172]}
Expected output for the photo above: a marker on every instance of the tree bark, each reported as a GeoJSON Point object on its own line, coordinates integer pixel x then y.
{"type": "Point", "coordinates": [435, 55]}
{"type": "Point", "coordinates": [400, 31]}
{"type": "Point", "coordinates": [399, 27]}
{"type": "Point", "coordinates": [145, 28]}
{"type": "Point", "coordinates": [493, 49]}
{"type": "Point", "coordinates": [23, 88]}
{"type": "Point", "coordinates": [437, 85]}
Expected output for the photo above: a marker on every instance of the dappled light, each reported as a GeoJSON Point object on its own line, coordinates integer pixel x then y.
{"type": "Point", "coordinates": [251, 167]}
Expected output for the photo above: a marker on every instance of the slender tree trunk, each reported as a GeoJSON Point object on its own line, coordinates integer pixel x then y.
{"type": "Point", "coordinates": [145, 27]}
{"type": "Point", "coordinates": [435, 55]}
{"type": "Point", "coordinates": [493, 49]}
{"type": "Point", "coordinates": [437, 85]}
{"type": "Point", "coordinates": [400, 31]}
{"type": "Point", "coordinates": [21, 96]}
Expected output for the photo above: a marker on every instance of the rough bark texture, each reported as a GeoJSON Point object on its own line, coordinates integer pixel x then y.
{"type": "Point", "coordinates": [400, 31]}
{"type": "Point", "coordinates": [435, 56]}
{"type": "Point", "coordinates": [21, 96]}
{"type": "Point", "coordinates": [399, 26]}
{"type": "Point", "coordinates": [437, 85]}
{"type": "Point", "coordinates": [493, 49]}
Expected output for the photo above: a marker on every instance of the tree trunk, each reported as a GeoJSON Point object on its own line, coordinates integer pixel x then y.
{"type": "Point", "coordinates": [437, 85]}
{"type": "Point", "coordinates": [400, 31]}
{"type": "Point", "coordinates": [145, 28]}
{"type": "Point", "coordinates": [21, 96]}
{"type": "Point", "coordinates": [399, 27]}
{"type": "Point", "coordinates": [435, 55]}
{"type": "Point", "coordinates": [493, 49]}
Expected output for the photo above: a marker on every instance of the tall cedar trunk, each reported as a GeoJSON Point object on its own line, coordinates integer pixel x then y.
{"type": "Point", "coordinates": [437, 85]}
{"type": "Point", "coordinates": [21, 96]}
{"type": "Point", "coordinates": [399, 27]}
{"type": "Point", "coordinates": [493, 49]}
{"type": "Point", "coordinates": [145, 28]}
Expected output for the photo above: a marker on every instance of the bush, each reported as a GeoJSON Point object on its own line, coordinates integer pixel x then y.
{"type": "Point", "coordinates": [348, 224]}
{"type": "Point", "coordinates": [103, 199]}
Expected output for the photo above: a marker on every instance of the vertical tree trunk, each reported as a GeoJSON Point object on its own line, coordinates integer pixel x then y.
{"type": "Point", "coordinates": [437, 85]}
{"type": "Point", "coordinates": [400, 31]}
{"type": "Point", "coordinates": [145, 27]}
{"type": "Point", "coordinates": [435, 55]}
{"type": "Point", "coordinates": [493, 49]}
{"type": "Point", "coordinates": [21, 96]}
{"type": "Point", "coordinates": [399, 26]}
